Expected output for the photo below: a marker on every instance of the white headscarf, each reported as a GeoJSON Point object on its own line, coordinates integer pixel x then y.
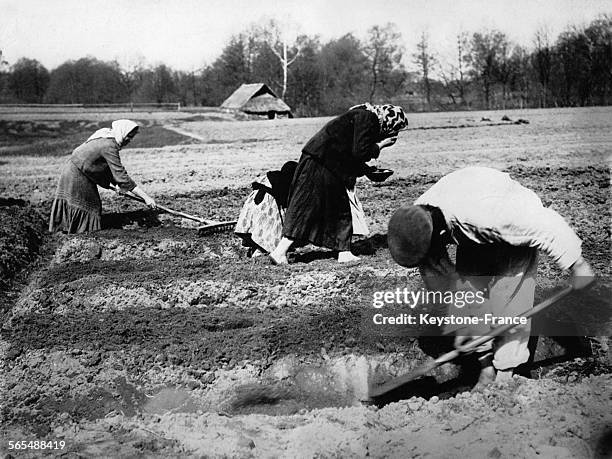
{"type": "Point", "coordinates": [119, 130]}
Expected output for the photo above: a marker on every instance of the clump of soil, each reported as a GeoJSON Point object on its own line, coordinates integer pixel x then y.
{"type": "Point", "coordinates": [77, 250]}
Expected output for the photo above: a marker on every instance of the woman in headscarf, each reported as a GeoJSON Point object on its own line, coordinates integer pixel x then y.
{"type": "Point", "coordinates": [260, 224]}
{"type": "Point", "coordinates": [323, 208]}
{"type": "Point", "coordinates": [77, 207]}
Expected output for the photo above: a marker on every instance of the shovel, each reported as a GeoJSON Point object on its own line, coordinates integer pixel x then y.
{"type": "Point", "coordinates": [380, 390]}
{"type": "Point", "coordinates": [209, 226]}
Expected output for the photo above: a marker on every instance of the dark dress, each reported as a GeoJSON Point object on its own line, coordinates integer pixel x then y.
{"type": "Point", "coordinates": [77, 207]}
{"type": "Point", "coordinates": [319, 211]}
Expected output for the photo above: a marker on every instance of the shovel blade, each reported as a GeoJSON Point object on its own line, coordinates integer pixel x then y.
{"type": "Point", "coordinates": [376, 391]}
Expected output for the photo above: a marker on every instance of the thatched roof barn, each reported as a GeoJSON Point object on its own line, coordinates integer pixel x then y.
{"type": "Point", "coordinates": [257, 99]}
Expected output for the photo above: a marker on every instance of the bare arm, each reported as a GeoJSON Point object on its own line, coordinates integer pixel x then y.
{"type": "Point", "coordinates": [582, 274]}
{"type": "Point", "coordinates": [149, 201]}
{"type": "Point", "coordinates": [387, 142]}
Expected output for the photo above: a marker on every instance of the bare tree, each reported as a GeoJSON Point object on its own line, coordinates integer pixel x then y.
{"type": "Point", "coordinates": [278, 37]}
{"type": "Point", "coordinates": [3, 64]}
{"type": "Point", "coordinates": [133, 69]}
{"type": "Point", "coordinates": [462, 57]}
{"type": "Point", "coordinates": [520, 82]}
{"type": "Point", "coordinates": [453, 71]}
{"type": "Point", "coordinates": [503, 68]}
{"type": "Point", "coordinates": [425, 60]}
{"type": "Point", "coordinates": [384, 52]}
{"type": "Point", "coordinates": [542, 63]}
{"type": "Point", "coordinates": [599, 36]}
{"type": "Point", "coordinates": [447, 79]}
{"type": "Point", "coordinates": [486, 60]}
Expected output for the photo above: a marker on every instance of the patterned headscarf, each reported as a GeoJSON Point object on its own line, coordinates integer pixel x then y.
{"type": "Point", "coordinates": [118, 131]}
{"type": "Point", "coordinates": [390, 117]}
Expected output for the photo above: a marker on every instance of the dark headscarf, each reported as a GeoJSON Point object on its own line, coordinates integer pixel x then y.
{"type": "Point", "coordinates": [391, 118]}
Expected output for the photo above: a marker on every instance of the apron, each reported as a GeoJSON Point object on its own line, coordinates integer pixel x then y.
{"type": "Point", "coordinates": [360, 226]}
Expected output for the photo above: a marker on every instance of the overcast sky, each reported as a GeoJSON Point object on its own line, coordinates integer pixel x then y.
{"type": "Point", "coordinates": [188, 34]}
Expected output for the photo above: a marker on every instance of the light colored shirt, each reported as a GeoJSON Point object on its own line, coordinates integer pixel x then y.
{"type": "Point", "coordinates": [487, 206]}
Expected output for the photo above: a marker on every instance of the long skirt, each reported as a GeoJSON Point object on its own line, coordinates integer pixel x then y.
{"type": "Point", "coordinates": [260, 225]}
{"type": "Point", "coordinates": [77, 207]}
{"type": "Point", "coordinates": [319, 210]}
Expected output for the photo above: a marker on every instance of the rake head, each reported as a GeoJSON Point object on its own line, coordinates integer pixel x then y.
{"type": "Point", "coordinates": [216, 227]}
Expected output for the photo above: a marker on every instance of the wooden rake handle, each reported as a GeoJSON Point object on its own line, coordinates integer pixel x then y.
{"type": "Point", "coordinates": [169, 211]}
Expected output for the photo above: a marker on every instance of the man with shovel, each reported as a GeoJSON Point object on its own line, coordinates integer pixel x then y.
{"type": "Point", "coordinates": [498, 226]}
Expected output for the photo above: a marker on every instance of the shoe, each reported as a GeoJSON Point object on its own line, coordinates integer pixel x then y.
{"type": "Point", "coordinates": [277, 262]}
{"type": "Point", "coordinates": [347, 257]}
{"type": "Point", "coordinates": [486, 378]}
{"type": "Point", "coordinates": [504, 376]}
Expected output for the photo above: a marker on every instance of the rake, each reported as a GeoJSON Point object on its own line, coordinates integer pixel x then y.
{"type": "Point", "coordinates": [208, 227]}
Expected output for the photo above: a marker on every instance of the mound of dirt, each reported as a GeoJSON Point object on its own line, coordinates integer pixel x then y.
{"type": "Point", "coordinates": [77, 250]}
{"type": "Point", "coordinates": [21, 235]}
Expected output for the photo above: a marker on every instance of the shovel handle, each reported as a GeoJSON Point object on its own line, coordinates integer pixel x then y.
{"type": "Point", "coordinates": [468, 347]}
{"type": "Point", "coordinates": [375, 392]}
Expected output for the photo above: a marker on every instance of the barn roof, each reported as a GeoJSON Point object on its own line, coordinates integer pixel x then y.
{"type": "Point", "coordinates": [265, 103]}
{"type": "Point", "coordinates": [255, 98]}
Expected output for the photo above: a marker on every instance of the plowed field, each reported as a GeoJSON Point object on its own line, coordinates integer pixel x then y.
{"type": "Point", "coordinates": [147, 340]}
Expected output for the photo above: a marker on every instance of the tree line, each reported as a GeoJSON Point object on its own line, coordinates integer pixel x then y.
{"type": "Point", "coordinates": [487, 71]}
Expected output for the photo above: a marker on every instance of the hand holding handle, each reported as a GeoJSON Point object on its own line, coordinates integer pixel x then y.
{"type": "Point", "coordinates": [582, 274]}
